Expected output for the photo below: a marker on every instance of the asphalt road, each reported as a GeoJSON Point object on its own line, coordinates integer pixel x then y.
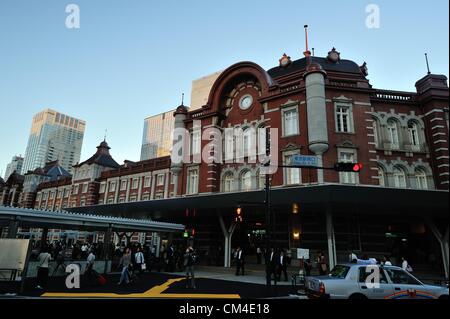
{"type": "Point", "coordinates": [151, 285]}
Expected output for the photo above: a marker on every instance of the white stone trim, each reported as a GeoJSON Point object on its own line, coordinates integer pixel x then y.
{"type": "Point", "coordinates": [437, 119]}
{"type": "Point", "coordinates": [439, 134]}
{"type": "Point", "coordinates": [434, 111]}
{"type": "Point", "coordinates": [439, 141]}
{"type": "Point", "coordinates": [438, 126]}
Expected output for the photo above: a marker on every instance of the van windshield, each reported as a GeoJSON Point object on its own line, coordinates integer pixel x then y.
{"type": "Point", "coordinates": [339, 272]}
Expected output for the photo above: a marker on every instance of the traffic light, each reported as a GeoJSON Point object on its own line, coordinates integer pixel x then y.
{"type": "Point", "coordinates": [238, 218]}
{"type": "Point", "coordinates": [348, 167]}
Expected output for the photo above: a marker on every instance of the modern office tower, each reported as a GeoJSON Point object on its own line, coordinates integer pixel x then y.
{"type": "Point", "coordinates": [158, 129]}
{"type": "Point", "coordinates": [54, 136]}
{"type": "Point", "coordinates": [15, 165]}
{"type": "Point", "coordinates": [200, 90]}
{"type": "Point", "coordinates": [157, 136]}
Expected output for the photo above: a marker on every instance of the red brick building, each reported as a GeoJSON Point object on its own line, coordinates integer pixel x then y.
{"type": "Point", "coordinates": [322, 106]}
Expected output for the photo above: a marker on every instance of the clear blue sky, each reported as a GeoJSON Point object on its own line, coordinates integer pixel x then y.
{"type": "Point", "coordinates": [131, 59]}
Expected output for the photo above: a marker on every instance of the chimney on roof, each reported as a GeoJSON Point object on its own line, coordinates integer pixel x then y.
{"type": "Point", "coordinates": [307, 53]}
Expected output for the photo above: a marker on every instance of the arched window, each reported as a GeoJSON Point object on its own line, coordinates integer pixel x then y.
{"type": "Point", "coordinates": [247, 141]}
{"type": "Point", "coordinates": [421, 179]}
{"type": "Point", "coordinates": [228, 182]}
{"type": "Point", "coordinates": [392, 128]}
{"type": "Point", "coordinates": [246, 181]}
{"type": "Point", "coordinates": [413, 130]}
{"type": "Point", "coordinates": [375, 133]}
{"type": "Point", "coordinates": [382, 176]}
{"type": "Point", "coordinates": [399, 178]}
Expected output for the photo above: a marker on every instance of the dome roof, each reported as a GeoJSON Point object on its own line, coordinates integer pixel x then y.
{"type": "Point", "coordinates": [181, 110]}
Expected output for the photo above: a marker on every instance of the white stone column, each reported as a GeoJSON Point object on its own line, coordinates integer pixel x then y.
{"type": "Point", "coordinates": [166, 185]}
{"type": "Point", "coordinates": [332, 258]}
{"type": "Point", "coordinates": [152, 190]}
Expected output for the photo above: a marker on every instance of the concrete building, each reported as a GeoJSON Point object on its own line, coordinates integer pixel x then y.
{"type": "Point", "coordinates": [15, 165]}
{"type": "Point", "coordinates": [54, 136]}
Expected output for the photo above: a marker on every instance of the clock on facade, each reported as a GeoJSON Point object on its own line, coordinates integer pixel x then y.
{"type": "Point", "coordinates": [246, 102]}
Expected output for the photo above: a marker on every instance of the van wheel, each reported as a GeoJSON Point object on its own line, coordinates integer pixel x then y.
{"type": "Point", "coordinates": [357, 297]}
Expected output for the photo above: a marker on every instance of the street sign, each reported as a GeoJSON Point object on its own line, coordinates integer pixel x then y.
{"type": "Point", "coordinates": [305, 160]}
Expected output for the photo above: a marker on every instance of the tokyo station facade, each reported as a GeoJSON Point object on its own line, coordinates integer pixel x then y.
{"type": "Point", "coordinates": [323, 106]}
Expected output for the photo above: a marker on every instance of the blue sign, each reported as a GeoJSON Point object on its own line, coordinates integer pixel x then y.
{"type": "Point", "coordinates": [305, 160]}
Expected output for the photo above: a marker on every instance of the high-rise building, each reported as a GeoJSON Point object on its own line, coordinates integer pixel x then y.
{"type": "Point", "coordinates": [158, 129]}
{"type": "Point", "coordinates": [15, 165]}
{"type": "Point", "coordinates": [200, 90]}
{"type": "Point", "coordinates": [54, 136]}
{"type": "Point", "coordinates": [157, 136]}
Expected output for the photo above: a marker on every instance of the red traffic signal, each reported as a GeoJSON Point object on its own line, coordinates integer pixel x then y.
{"type": "Point", "coordinates": [348, 167]}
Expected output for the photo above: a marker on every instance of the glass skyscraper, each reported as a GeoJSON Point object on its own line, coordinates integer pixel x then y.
{"type": "Point", "coordinates": [54, 136]}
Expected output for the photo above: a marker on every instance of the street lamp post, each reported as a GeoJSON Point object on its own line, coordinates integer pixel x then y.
{"type": "Point", "coordinates": [267, 209]}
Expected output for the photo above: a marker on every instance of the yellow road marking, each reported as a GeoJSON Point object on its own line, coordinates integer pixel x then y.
{"type": "Point", "coordinates": [155, 292]}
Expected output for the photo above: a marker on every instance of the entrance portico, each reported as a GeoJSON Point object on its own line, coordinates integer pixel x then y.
{"type": "Point", "coordinates": [333, 218]}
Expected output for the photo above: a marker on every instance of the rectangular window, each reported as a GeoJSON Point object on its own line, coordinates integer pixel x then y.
{"type": "Point", "coordinates": [38, 197]}
{"type": "Point", "coordinates": [192, 186]}
{"type": "Point", "coordinates": [147, 181]}
{"type": "Point", "coordinates": [51, 195]}
{"type": "Point", "coordinates": [123, 185]}
{"type": "Point", "coordinates": [292, 175]}
{"type": "Point", "coordinates": [135, 183]}
{"type": "Point", "coordinates": [75, 190]}
{"type": "Point", "coordinates": [290, 121]}
{"type": "Point", "coordinates": [195, 141]}
{"type": "Point", "coordinates": [85, 188]}
{"type": "Point", "coordinates": [160, 180]}
{"type": "Point", "coordinates": [112, 187]}
{"type": "Point", "coordinates": [347, 177]}
{"type": "Point", "coordinates": [82, 203]}
{"type": "Point", "coordinates": [343, 119]}
{"type": "Point", "coordinates": [102, 187]}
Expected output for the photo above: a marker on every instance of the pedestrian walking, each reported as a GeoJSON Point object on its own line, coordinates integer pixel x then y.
{"type": "Point", "coordinates": [42, 276]}
{"type": "Point", "coordinates": [322, 264]}
{"type": "Point", "coordinates": [125, 263]}
{"type": "Point", "coordinates": [60, 262]}
{"type": "Point", "coordinates": [271, 266]}
{"type": "Point", "coordinates": [139, 261]}
{"type": "Point", "coordinates": [240, 261]}
{"type": "Point", "coordinates": [282, 266]}
{"type": "Point", "coordinates": [89, 272]}
{"type": "Point", "coordinates": [190, 258]}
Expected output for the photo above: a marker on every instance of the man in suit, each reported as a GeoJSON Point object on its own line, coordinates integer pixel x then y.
{"type": "Point", "coordinates": [239, 261]}
{"type": "Point", "coordinates": [282, 265]}
{"type": "Point", "coordinates": [272, 262]}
